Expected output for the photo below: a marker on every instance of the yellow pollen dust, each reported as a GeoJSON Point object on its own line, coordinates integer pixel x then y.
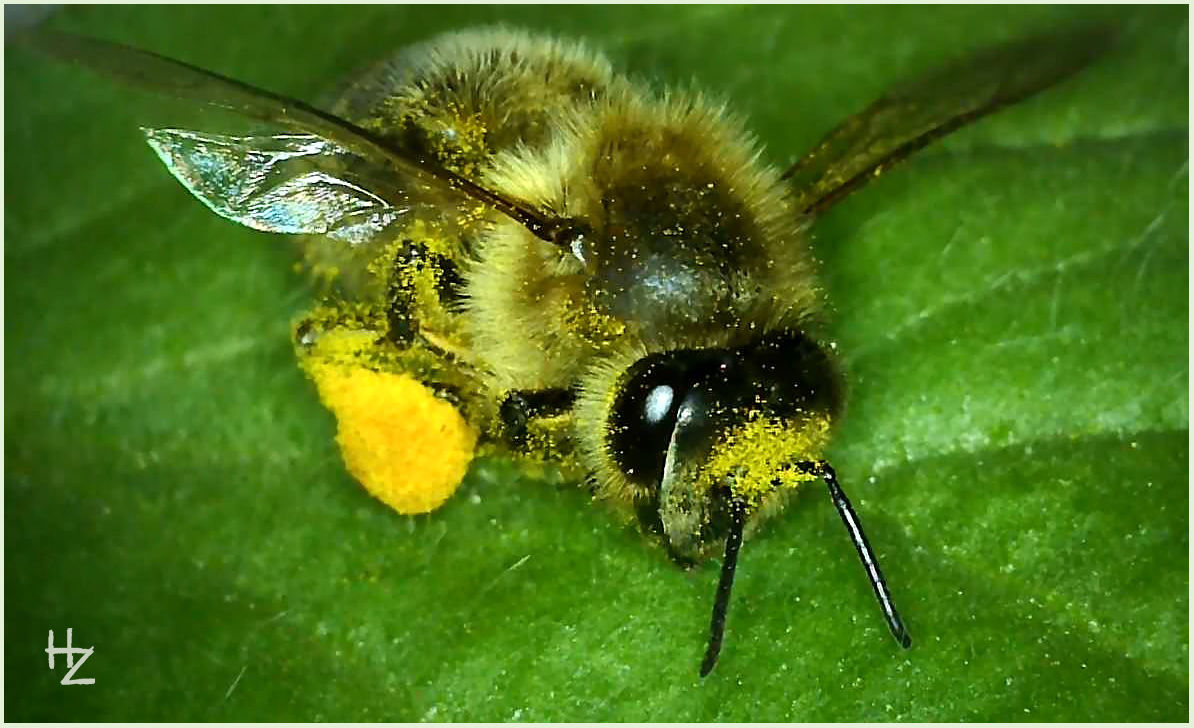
{"type": "Point", "coordinates": [759, 453]}
{"type": "Point", "coordinates": [409, 448]}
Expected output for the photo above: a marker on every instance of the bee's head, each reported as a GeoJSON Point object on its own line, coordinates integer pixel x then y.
{"type": "Point", "coordinates": [705, 436]}
{"type": "Point", "coordinates": [699, 431]}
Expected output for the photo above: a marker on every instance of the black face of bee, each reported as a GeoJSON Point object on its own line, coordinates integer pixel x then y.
{"type": "Point", "coordinates": [674, 406]}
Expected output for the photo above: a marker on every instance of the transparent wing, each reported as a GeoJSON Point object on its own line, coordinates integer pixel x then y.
{"type": "Point", "coordinates": [916, 113]}
{"type": "Point", "coordinates": [372, 183]}
{"type": "Point", "coordinates": [287, 183]}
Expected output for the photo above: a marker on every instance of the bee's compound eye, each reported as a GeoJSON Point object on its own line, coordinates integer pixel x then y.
{"type": "Point", "coordinates": [643, 418]}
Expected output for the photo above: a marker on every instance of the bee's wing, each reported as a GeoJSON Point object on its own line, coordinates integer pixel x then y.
{"type": "Point", "coordinates": [331, 177]}
{"type": "Point", "coordinates": [284, 183]}
{"type": "Point", "coordinates": [927, 108]}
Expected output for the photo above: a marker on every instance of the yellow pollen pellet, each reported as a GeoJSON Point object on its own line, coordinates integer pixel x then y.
{"type": "Point", "coordinates": [409, 448]}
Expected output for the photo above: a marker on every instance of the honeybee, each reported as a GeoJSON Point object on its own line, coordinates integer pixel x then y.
{"type": "Point", "coordinates": [520, 250]}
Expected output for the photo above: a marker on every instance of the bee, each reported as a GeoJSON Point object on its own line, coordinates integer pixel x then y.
{"type": "Point", "coordinates": [520, 250]}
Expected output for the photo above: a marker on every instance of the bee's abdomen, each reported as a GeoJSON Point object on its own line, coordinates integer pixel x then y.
{"type": "Point", "coordinates": [461, 97]}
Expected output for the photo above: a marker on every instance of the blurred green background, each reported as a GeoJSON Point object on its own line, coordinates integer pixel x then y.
{"type": "Point", "coordinates": [1012, 307]}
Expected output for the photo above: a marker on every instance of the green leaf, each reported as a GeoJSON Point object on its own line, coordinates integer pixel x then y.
{"type": "Point", "coordinates": [1011, 307]}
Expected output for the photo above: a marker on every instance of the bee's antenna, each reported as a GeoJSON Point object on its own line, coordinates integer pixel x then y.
{"type": "Point", "coordinates": [858, 538]}
{"type": "Point", "coordinates": [722, 602]}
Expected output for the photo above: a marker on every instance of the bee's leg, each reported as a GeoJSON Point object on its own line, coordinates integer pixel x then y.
{"type": "Point", "coordinates": [519, 408]}
{"type": "Point", "coordinates": [400, 294]}
{"type": "Point", "coordinates": [411, 261]}
{"type": "Point", "coordinates": [450, 393]}
{"type": "Point", "coordinates": [328, 318]}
